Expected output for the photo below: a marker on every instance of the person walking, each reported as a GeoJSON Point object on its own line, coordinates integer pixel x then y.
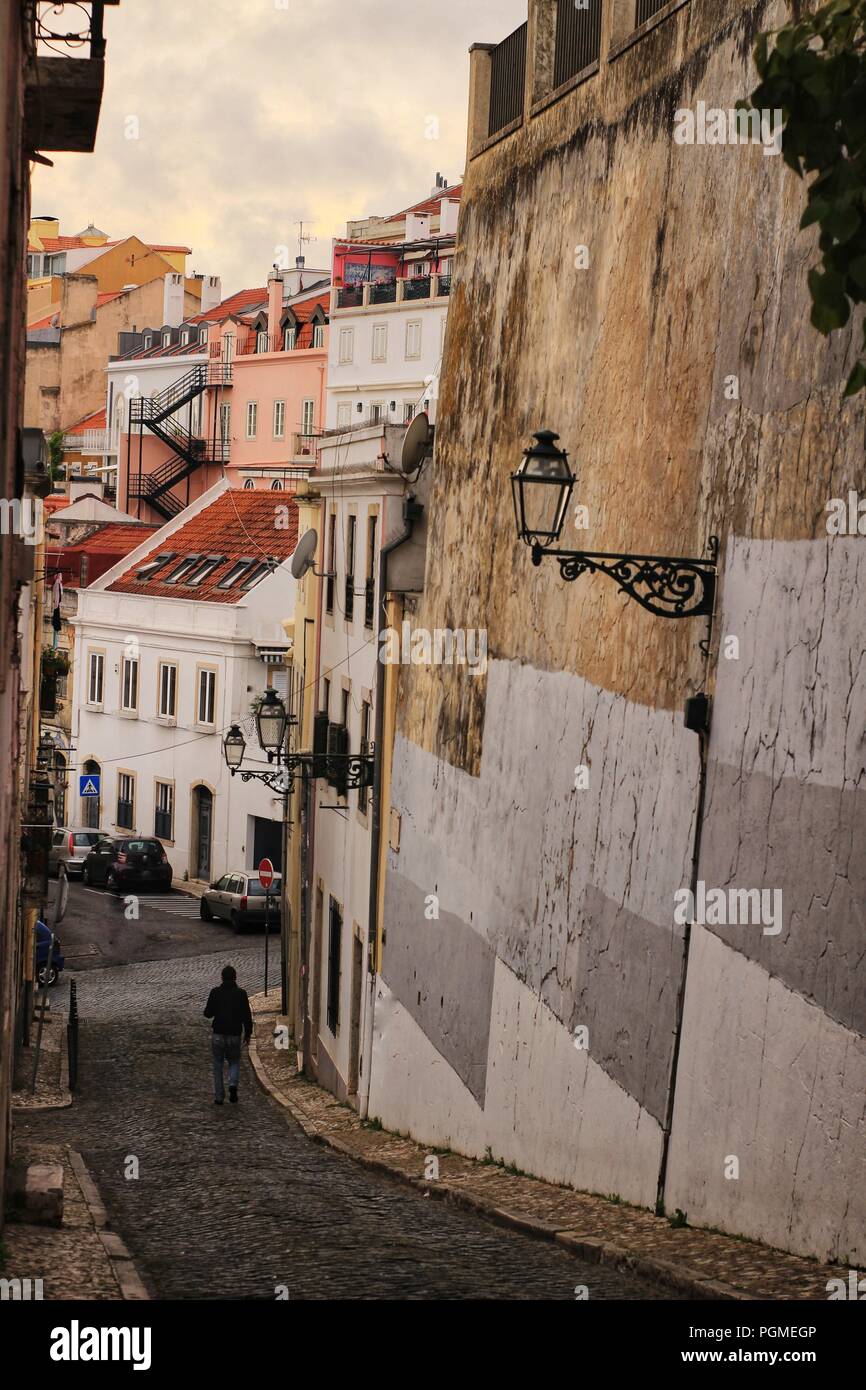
{"type": "Point", "coordinates": [229, 1007]}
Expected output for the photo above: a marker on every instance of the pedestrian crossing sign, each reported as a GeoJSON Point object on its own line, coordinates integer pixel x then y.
{"type": "Point", "coordinates": [88, 785]}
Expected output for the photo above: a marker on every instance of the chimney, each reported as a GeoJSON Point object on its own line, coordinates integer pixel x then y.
{"type": "Point", "coordinates": [275, 303]}
{"type": "Point", "coordinates": [211, 292]}
{"type": "Point", "coordinates": [172, 300]}
{"type": "Point", "coordinates": [449, 211]}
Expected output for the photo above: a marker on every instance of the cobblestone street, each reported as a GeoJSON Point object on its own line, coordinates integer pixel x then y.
{"type": "Point", "coordinates": [234, 1202]}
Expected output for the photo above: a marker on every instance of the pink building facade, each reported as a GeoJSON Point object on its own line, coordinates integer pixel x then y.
{"type": "Point", "coordinates": [250, 411]}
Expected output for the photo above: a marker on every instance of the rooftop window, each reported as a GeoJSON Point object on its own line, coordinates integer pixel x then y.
{"type": "Point", "coordinates": [238, 569]}
{"type": "Point", "coordinates": [182, 570]}
{"type": "Point", "coordinates": [203, 570]}
{"type": "Point", "coordinates": [148, 570]}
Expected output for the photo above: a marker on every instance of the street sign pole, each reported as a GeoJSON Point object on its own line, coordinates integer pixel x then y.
{"type": "Point", "coordinates": [266, 879]}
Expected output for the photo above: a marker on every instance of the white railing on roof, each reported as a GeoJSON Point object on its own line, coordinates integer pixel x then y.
{"type": "Point", "coordinates": [87, 442]}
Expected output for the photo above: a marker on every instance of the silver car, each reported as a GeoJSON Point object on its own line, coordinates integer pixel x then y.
{"type": "Point", "coordinates": [240, 899]}
{"type": "Point", "coordinates": [71, 846]}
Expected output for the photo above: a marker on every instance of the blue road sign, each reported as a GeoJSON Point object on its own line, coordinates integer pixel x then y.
{"type": "Point", "coordinates": [88, 784]}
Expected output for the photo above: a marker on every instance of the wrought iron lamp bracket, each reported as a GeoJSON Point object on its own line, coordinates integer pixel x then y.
{"type": "Point", "coordinates": [670, 586]}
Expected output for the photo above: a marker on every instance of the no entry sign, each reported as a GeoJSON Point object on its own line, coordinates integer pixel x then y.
{"type": "Point", "coordinates": [266, 874]}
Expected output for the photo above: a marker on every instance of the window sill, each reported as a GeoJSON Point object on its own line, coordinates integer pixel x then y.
{"type": "Point", "coordinates": [95, 709]}
{"type": "Point", "coordinates": [127, 713]}
{"type": "Point", "coordinates": [168, 720]}
{"type": "Point", "coordinates": [646, 28]}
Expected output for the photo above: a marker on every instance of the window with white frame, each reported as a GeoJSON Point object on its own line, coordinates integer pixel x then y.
{"type": "Point", "coordinates": [318, 335]}
{"type": "Point", "coordinates": [206, 702]}
{"type": "Point", "coordinates": [202, 334]}
{"type": "Point", "coordinates": [308, 415]}
{"type": "Point", "coordinates": [290, 337]}
{"type": "Point", "coordinates": [167, 690]}
{"type": "Point", "coordinates": [344, 415]}
{"type": "Point", "coordinates": [279, 419]}
{"type": "Point", "coordinates": [252, 419]}
{"type": "Point", "coordinates": [249, 485]}
{"type": "Point", "coordinates": [166, 339]}
{"type": "Point", "coordinates": [262, 340]}
{"type": "Point", "coordinates": [225, 422]}
{"type": "Point", "coordinates": [96, 678]}
{"type": "Point", "coordinates": [377, 412]}
{"type": "Point", "coordinates": [163, 819]}
{"type": "Point", "coordinates": [408, 411]}
{"type": "Point", "coordinates": [125, 801]}
{"type": "Point", "coordinates": [347, 344]}
{"type": "Point", "coordinates": [276, 485]}
{"type": "Point", "coordinates": [129, 684]}
{"type": "Point", "coordinates": [413, 338]}
{"type": "Point", "coordinates": [380, 342]}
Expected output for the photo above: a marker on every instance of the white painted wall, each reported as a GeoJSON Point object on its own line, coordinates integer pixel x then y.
{"type": "Point", "coordinates": [399, 378]}
{"type": "Point", "coordinates": [190, 634]}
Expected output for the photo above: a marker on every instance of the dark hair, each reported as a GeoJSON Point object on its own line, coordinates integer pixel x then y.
{"type": "Point", "coordinates": [230, 975]}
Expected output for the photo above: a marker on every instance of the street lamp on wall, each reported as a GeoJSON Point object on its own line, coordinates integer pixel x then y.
{"type": "Point", "coordinates": [271, 722]}
{"type": "Point", "coordinates": [234, 747]}
{"type": "Point", "coordinates": [668, 586]}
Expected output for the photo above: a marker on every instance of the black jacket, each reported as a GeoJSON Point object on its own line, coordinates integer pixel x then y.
{"type": "Point", "coordinates": [229, 1008]}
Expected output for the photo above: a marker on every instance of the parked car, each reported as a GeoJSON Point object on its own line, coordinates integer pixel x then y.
{"type": "Point", "coordinates": [131, 862]}
{"type": "Point", "coordinates": [240, 899]}
{"type": "Point", "coordinates": [43, 969]}
{"type": "Point", "coordinates": [71, 846]}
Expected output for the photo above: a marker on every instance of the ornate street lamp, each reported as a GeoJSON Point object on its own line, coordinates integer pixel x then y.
{"type": "Point", "coordinates": [271, 721]}
{"type": "Point", "coordinates": [669, 586]}
{"type": "Point", "coordinates": [234, 747]}
{"type": "Point", "coordinates": [541, 490]}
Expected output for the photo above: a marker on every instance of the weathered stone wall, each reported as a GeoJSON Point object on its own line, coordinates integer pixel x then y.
{"type": "Point", "coordinates": [557, 903]}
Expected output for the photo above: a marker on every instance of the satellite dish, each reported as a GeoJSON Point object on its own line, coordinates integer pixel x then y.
{"type": "Point", "coordinates": [417, 444]}
{"type": "Point", "coordinates": [305, 554]}
{"type": "Point", "coordinates": [61, 897]}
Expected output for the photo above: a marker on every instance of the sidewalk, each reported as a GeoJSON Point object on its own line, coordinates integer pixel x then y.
{"type": "Point", "coordinates": [80, 1259]}
{"type": "Point", "coordinates": [699, 1263]}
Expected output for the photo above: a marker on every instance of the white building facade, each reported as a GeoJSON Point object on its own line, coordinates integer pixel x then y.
{"type": "Point", "coordinates": [158, 682]}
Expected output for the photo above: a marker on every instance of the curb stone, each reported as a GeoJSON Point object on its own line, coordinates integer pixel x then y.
{"type": "Point", "coordinates": [594, 1251]}
{"type": "Point", "coordinates": [122, 1265]}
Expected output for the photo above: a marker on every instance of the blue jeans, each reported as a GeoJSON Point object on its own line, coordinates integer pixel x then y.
{"type": "Point", "coordinates": [218, 1045]}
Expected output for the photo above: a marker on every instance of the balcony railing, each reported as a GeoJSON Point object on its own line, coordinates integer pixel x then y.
{"type": "Point", "coordinates": [162, 825]}
{"type": "Point", "coordinates": [63, 91]}
{"type": "Point", "coordinates": [124, 815]}
{"type": "Point", "coordinates": [88, 442]}
{"type": "Point", "coordinates": [304, 445]}
{"type": "Point", "coordinates": [416, 287]}
{"type": "Point", "coordinates": [646, 9]}
{"type": "Point", "coordinates": [578, 39]}
{"type": "Point", "coordinates": [384, 294]}
{"type": "Point", "coordinates": [507, 80]}
{"type": "Point", "coordinates": [444, 285]}
{"type": "Point", "coordinates": [350, 297]}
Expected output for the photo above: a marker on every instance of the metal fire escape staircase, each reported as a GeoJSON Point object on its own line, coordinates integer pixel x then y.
{"type": "Point", "coordinates": [157, 414]}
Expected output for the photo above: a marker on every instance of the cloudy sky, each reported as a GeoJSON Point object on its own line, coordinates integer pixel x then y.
{"type": "Point", "coordinates": [251, 114]}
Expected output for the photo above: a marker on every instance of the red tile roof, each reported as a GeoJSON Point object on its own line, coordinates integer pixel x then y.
{"type": "Point", "coordinates": [65, 243]}
{"type": "Point", "coordinates": [55, 501]}
{"type": "Point", "coordinates": [239, 524]}
{"type": "Point", "coordinates": [90, 422]}
{"type": "Point", "coordinates": [102, 548]}
{"type": "Point", "coordinates": [235, 304]}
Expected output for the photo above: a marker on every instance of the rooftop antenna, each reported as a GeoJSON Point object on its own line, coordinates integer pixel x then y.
{"type": "Point", "coordinates": [301, 240]}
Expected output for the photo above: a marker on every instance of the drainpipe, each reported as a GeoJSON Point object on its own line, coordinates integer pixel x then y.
{"type": "Point", "coordinates": [411, 513]}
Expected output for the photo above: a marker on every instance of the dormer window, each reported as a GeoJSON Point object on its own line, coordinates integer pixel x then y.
{"type": "Point", "coordinates": [318, 335]}
{"type": "Point", "coordinates": [262, 340]}
{"type": "Point", "coordinates": [184, 337]}
{"type": "Point", "coordinates": [166, 339]}
{"type": "Point", "coordinates": [202, 333]}
{"type": "Point", "coordinates": [290, 337]}
{"type": "Point", "coordinates": [148, 341]}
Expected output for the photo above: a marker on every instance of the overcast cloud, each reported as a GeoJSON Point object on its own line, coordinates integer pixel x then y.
{"type": "Point", "coordinates": [255, 113]}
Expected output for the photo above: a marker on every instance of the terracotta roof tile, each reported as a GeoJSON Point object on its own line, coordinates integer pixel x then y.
{"type": "Point", "coordinates": [235, 304]}
{"type": "Point", "coordinates": [239, 524]}
{"type": "Point", "coordinates": [96, 421]}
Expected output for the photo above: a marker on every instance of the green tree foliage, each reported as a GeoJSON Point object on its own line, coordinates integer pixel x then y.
{"type": "Point", "coordinates": [815, 72]}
